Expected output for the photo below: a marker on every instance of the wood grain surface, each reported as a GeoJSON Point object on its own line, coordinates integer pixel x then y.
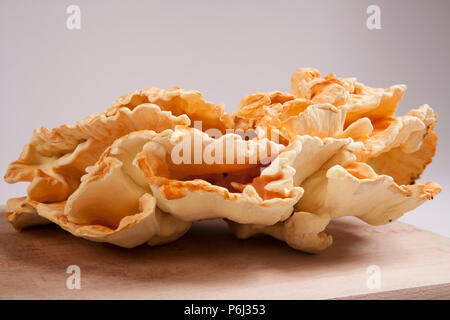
{"type": "Point", "coordinates": [210, 263]}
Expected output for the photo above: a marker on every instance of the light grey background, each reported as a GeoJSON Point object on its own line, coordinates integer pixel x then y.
{"type": "Point", "coordinates": [225, 49]}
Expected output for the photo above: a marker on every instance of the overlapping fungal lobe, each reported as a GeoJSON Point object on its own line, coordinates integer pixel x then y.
{"type": "Point", "coordinates": [283, 117]}
{"type": "Point", "coordinates": [149, 225]}
{"type": "Point", "coordinates": [54, 161]}
{"type": "Point", "coordinates": [113, 203]}
{"type": "Point", "coordinates": [359, 100]}
{"type": "Point", "coordinates": [357, 190]}
{"type": "Point", "coordinates": [342, 186]}
{"type": "Point", "coordinates": [194, 176]}
{"type": "Point", "coordinates": [399, 146]}
{"type": "Point", "coordinates": [303, 230]}
{"type": "Point", "coordinates": [371, 177]}
{"type": "Point", "coordinates": [267, 108]}
{"type": "Point", "coordinates": [267, 112]}
{"type": "Point", "coordinates": [402, 147]}
{"type": "Point", "coordinates": [21, 213]}
{"type": "Point", "coordinates": [179, 102]}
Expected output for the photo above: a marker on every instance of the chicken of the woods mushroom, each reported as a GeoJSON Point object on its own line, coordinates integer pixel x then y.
{"type": "Point", "coordinates": [283, 164]}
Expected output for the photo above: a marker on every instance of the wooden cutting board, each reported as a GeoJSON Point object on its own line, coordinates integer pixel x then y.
{"type": "Point", "coordinates": [209, 263]}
